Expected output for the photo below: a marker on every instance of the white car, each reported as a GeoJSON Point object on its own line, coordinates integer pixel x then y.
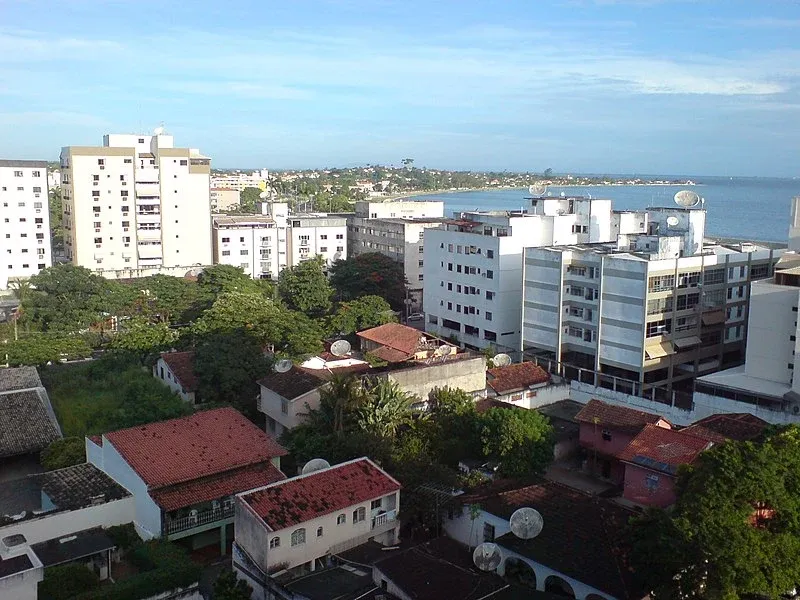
{"type": "Point", "coordinates": [416, 317]}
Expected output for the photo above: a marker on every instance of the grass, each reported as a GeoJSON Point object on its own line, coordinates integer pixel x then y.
{"type": "Point", "coordinates": [108, 394]}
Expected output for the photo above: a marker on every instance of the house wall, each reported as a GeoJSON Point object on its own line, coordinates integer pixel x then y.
{"type": "Point", "coordinates": [583, 392]}
{"type": "Point", "coordinates": [470, 533]}
{"type": "Point", "coordinates": [94, 453]}
{"type": "Point", "coordinates": [60, 524]}
{"type": "Point", "coordinates": [271, 403]}
{"type": "Point", "coordinates": [591, 438]}
{"type": "Point", "coordinates": [466, 374]}
{"type": "Point", "coordinates": [647, 487]}
{"type": "Point", "coordinates": [24, 585]}
{"type": "Point", "coordinates": [148, 514]}
{"type": "Point", "coordinates": [539, 396]}
{"type": "Point", "coordinates": [163, 373]}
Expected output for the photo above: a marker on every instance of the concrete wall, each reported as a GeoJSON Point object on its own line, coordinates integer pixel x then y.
{"type": "Point", "coordinates": [770, 351]}
{"type": "Point", "coordinates": [539, 396]}
{"type": "Point", "coordinates": [648, 487]}
{"type": "Point", "coordinates": [583, 392]}
{"type": "Point", "coordinates": [24, 585]}
{"type": "Point", "coordinates": [271, 403]}
{"type": "Point", "coordinates": [466, 374]}
{"type": "Point", "coordinates": [470, 533]}
{"type": "Point", "coordinates": [591, 438]}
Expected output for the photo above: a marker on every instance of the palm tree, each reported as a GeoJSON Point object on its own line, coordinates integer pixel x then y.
{"type": "Point", "coordinates": [387, 409]}
{"type": "Point", "coordinates": [339, 399]}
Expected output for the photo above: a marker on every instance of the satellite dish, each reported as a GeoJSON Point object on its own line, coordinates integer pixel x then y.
{"type": "Point", "coordinates": [686, 198]}
{"type": "Point", "coordinates": [537, 189]}
{"type": "Point", "coordinates": [443, 350]}
{"type": "Point", "coordinates": [283, 365]}
{"type": "Point", "coordinates": [340, 348]}
{"type": "Point", "coordinates": [672, 221]}
{"type": "Point", "coordinates": [501, 360]}
{"type": "Point", "coordinates": [315, 464]}
{"type": "Point", "coordinates": [158, 130]}
{"type": "Point", "coordinates": [263, 195]}
{"type": "Point", "coordinates": [487, 556]}
{"type": "Point", "coordinates": [526, 523]}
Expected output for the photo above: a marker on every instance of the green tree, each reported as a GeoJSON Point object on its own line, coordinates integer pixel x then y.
{"type": "Point", "coordinates": [64, 582]}
{"type": "Point", "coordinates": [520, 439]}
{"type": "Point", "coordinates": [453, 430]}
{"type": "Point", "coordinates": [305, 288]}
{"type": "Point", "coordinates": [143, 339]}
{"type": "Point", "coordinates": [370, 274]}
{"type": "Point", "coordinates": [63, 453]}
{"type": "Point", "coordinates": [39, 349]}
{"type": "Point", "coordinates": [339, 402]}
{"type": "Point", "coordinates": [228, 587]}
{"type": "Point", "coordinates": [386, 408]}
{"type": "Point", "coordinates": [248, 198]}
{"type": "Point", "coordinates": [220, 279]}
{"type": "Point", "coordinates": [56, 206]}
{"type": "Point", "coordinates": [360, 314]}
{"type": "Point", "coordinates": [167, 298]}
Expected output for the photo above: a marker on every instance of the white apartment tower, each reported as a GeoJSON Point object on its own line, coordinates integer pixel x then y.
{"type": "Point", "coordinates": [136, 206]}
{"type": "Point", "coordinates": [25, 223]}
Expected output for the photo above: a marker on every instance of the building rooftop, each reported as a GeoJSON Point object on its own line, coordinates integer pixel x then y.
{"type": "Point", "coordinates": [663, 450]}
{"type": "Point", "coordinates": [343, 582]}
{"type": "Point", "coordinates": [27, 422]}
{"type": "Point", "coordinates": [293, 383]}
{"type": "Point", "coordinates": [513, 378]}
{"type": "Point", "coordinates": [583, 535]}
{"type": "Point", "coordinates": [189, 448]}
{"type": "Point", "coordinates": [14, 564]}
{"type": "Point", "coordinates": [19, 378]}
{"type": "Point", "coordinates": [599, 413]}
{"type": "Point", "coordinates": [305, 497]}
{"type": "Point", "coordinates": [399, 342]}
{"type": "Point", "coordinates": [562, 418]}
{"type": "Point", "coordinates": [736, 378]}
{"type": "Point", "coordinates": [182, 366]}
{"type": "Point", "coordinates": [734, 426]}
{"type": "Point", "coordinates": [73, 547]}
{"type": "Point", "coordinates": [243, 220]}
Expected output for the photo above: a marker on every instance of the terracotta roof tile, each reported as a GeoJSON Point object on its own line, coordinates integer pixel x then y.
{"type": "Point", "coordinates": [27, 422]}
{"type": "Point", "coordinates": [182, 366]}
{"type": "Point", "coordinates": [293, 383]}
{"type": "Point", "coordinates": [722, 427]}
{"type": "Point", "coordinates": [390, 354]}
{"type": "Point", "coordinates": [516, 377]}
{"type": "Point", "coordinates": [188, 448]}
{"type": "Point", "coordinates": [616, 417]}
{"type": "Point", "coordinates": [663, 449]}
{"type": "Point", "coordinates": [307, 497]}
{"type": "Point", "coordinates": [217, 486]}
{"type": "Point", "coordinates": [485, 404]}
{"type": "Point", "coordinates": [395, 336]}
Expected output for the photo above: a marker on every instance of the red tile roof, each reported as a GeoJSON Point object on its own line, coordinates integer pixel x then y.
{"type": "Point", "coordinates": [185, 449]}
{"type": "Point", "coordinates": [307, 497]}
{"type": "Point", "coordinates": [182, 366]}
{"type": "Point", "coordinates": [516, 377]}
{"type": "Point", "coordinates": [97, 440]}
{"type": "Point", "coordinates": [395, 336]}
{"type": "Point", "coordinates": [217, 486]}
{"type": "Point", "coordinates": [390, 354]}
{"type": "Point", "coordinates": [616, 417]}
{"type": "Point", "coordinates": [294, 383]}
{"type": "Point", "coordinates": [485, 404]}
{"type": "Point", "coordinates": [663, 449]}
{"type": "Point", "coordinates": [722, 427]}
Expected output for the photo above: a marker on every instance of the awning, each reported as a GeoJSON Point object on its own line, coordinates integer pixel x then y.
{"type": "Point", "coordinates": [659, 350]}
{"type": "Point", "coordinates": [149, 250]}
{"type": "Point", "coordinates": [714, 318]}
{"type": "Point", "coordinates": [687, 342]}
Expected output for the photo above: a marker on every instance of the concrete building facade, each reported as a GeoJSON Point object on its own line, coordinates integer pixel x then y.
{"type": "Point", "coordinates": [240, 181]}
{"type": "Point", "coordinates": [136, 206]}
{"type": "Point", "coordinates": [25, 247]}
{"type": "Point", "coordinates": [223, 199]}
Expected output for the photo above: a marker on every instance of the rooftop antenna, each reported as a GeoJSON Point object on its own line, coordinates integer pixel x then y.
{"type": "Point", "coordinates": [284, 365]}
{"type": "Point", "coordinates": [443, 350]}
{"type": "Point", "coordinates": [159, 130]}
{"type": "Point", "coordinates": [672, 221]}
{"type": "Point", "coordinates": [526, 523]}
{"type": "Point", "coordinates": [487, 556]}
{"type": "Point", "coordinates": [686, 199]}
{"type": "Point", "coordinates": [340, 348]}
{"type": "Point", "coordinates": [537, 189]}
{"type": "Point", "coordinates": [501, 360]}
{"type": "Point", "coordinates": [315, 464]}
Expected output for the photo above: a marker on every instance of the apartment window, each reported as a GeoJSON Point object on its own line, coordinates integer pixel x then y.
{"type": "Point", "coordinates": [98, 240]}
{"type": "Point", "coordinates": [489, 335]}
{"type": "Point", "coordinates": [759, 271]}
{"type": "Point", "coordinates": [275, 542]}
{"type": "Point", "coordinates": [685, 323]}
{"type": "Point", "coordinates": [226, 253]}
{"type": "Point", "coordinates": [419, 263]}
{"type": "Point", "coordinates": [23, 235]}
{"type": "Point", "coordinates": [489, 274]}
{"type": "Point", "coordinates": [339, 248]}
{"type": "Point", "coordinates": [489, 295]}
{"type": "Point", "coordinates": [661, 327]}
{"type": "Point", "coordinates": [96, 209]}
{"type": "Point", "coordinates": [127, 161]}
{"type": "Point", "coordinates": [141, 140]}
{"type": "Point", "coordinates": [741, 291]}
{"type": "Point", "coordinates": [341, 519]}
{"type": "Point", "coordinates": [101, 161]}
{"type": "Point", "coordinates": [37, 173]}
{"type": "Point", "coordinates": [714, 276]}
{"type": "Point", "coordinates": [661, 283]}
{"type": "Point", "coordinates": [41, 265]}
{"type": "Point", "coordinates": [97, 224]}
{"type": "Point", "coordinates": [449, 266]}
{"type": "Point", "coordinates": [124, 209]}
{"type": "Point", "coordinates": [360, 514]}
{"type": "Point", "coordinates": [459, 250]}
{"type": "Point", "coordinates": [226, 240]}
{"type": "Point", "coordinates": [688, 301]}
{"type": "Point", "coordinates": [488, 315]}
{"type": "Point", "coordinates": [449, 286]}
{"type": "Point", "coordinates": [606, 434]}
{"type": "Point", "coordinates": [339, 236]}
{"type": "Point", "coordinates": [123, 193]}
{"type": "Point", "coordinates": [323, 249]}
{"type": "Point", "coordinates": [299, 537]}
{"type": "Point", "coordinates": [376, 504]}
{"type": "Point", "coordinates": [37, 205]}
{"type": "Point", "coordinates": [458, 268]}
{"type": "Point", "coordinates": [488, 532]}
{"type": "Point", "coordinates": [17, 173]}
{"type": "Point", "coordinates": [458, 288]}
{"type": "Point", "coordinates": [27, 266]}
{"type": "Point", "coordinates": [319, 531]}
{"type": "Point", "coordinates": [420, 277]}
{"type": "Point", "coordinates": [691, 279]}
{"type": "Point", "coordinates": [244, 252]}
{"type": "Point", "coordinates": [284, 406]}
{"type": "Point", "coordinates": [659, 305]}
{"type": "Point", "coordinates": [37, 190]}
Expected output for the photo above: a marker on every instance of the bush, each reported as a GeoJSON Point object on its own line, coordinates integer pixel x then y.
{"type": "Point", "coordinates": [124, 536]}
{"type": "Point", "coordinates": [66, 581]}
{"type": "Point", "coordinates": [63, 453]}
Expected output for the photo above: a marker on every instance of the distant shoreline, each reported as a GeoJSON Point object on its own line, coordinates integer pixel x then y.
{"type": "Point", "coordinates": [419, 193]}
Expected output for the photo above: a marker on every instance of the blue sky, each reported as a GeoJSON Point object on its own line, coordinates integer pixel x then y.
{"type": "Point", "coordinates": [633, 86]}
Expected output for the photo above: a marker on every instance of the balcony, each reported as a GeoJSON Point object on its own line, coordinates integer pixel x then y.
{"type": "Point", "coordinates": [386, 518]}
{"type": "Point", "coordinates": [197, 519]}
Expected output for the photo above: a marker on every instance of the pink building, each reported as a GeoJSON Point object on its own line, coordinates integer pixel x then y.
{"type": "Point", "coordinates": [651, 463]}
{"type": "Point", "coordinates": [606, 430]}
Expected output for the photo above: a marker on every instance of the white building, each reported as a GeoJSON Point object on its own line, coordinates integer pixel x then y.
{"type": "Point", "coordinates": [223, 199]}
{"type": "Point", "coordinates": [176, 371]}
{"type": "Point", "coordinates": [136, 206]}
{"type": "Point", "coordinates": [396, 229]}
{"type": "Point", "coordinates": [263, 245]}
{"type": "Point", "coordinates": [240, 181]}
{"type": "Point", "coordinates": [296, 524]}
{"type": "Point", "coordinates": [473, 265]}
{"type": "Point", "coordinates": [25, 225]}
{"type": "Point", "coordinates": [651, 309]}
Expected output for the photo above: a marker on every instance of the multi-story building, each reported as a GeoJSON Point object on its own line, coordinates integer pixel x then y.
{"type": "Point", "coordinates": [25, 224]}
{"type": "Point", "coordinates": [240, 181]}
{"type": "Point", "coordinates": [396, 229]}
{"type": "Point", "coordinates": [136, 206]}
{"type": "Point", "coordinates": [223, 199]}
{"type": "Point", "coordinates": [652, 309]}
{"type": "Point", "coordinates": [473, 268]}
{"type": "Point", "coordinates": [265, 244]}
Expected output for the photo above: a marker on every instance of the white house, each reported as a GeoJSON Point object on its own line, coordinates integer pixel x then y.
{"type": "Point", "coordinates": [176, 370]}
{"type": "Point", "coordinates": [20, 569]}
{"type": "Point", "coordinates": [295, 524]}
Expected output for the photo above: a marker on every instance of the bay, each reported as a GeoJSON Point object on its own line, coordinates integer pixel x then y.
{"type": "Point", "coordinates": [753, 208]}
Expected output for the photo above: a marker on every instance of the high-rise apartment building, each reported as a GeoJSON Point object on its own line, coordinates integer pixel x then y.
{"type": "Point", "coordinates": [24, 220]}
{"type": "Point", "coordinates": [396, 229]}
{"type": "Point", "coordinates": [263, 245]}
{"type": "Point", "coordinates": [136, 206]}
{"type": "Point", "coordinates": [239, 181]}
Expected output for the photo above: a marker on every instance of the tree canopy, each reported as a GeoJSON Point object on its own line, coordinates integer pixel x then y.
{"type": "Point", "coordinates": [63, 453]}
{"type": "Point", "coordinates": [305, 288]}
{"type": "Point", "coordinates": [370, 274]}
{"type": "Point", "coordinates": [360, 314]}
{"type": "Point", "coordinates": [520, 439]}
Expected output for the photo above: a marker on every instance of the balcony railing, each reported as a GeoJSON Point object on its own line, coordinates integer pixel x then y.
{"type": "Point", "coordinates": [384, 518]}
{"type": "Point", "coordinates": [195, 520]}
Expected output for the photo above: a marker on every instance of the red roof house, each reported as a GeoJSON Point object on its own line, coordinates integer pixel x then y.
{"type": "Point", "coordinates": [184, 472]}
{"type": "Point", "coordinates": [176, 369]}
{"type": "Point", "coordinates": [516, 382]}
{"type": "Point", "coordinates": [722, 427]}
{"type": "Point", "coordinates": [395, 343]}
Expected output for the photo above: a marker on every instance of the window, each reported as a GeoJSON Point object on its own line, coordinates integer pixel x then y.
{"type": "Point", "coordinates": [284, 406]}
{"type": "Point", "coordinates": [691, 279]}
{"type": "Point", "coordinates": [606, 434]}
{"type": "Point", "coordinates": [661, 327]}
{"type": "Point", "coordinates": [449, 286]}
{"type": "Point", "coordinates": [742, 271]}
{"type": "Point", "coordinates": [319, 531]}
{"type": "Point", "coordinates": [661, 283]}
{"type": "Point", "coordinates": [244, 252]}
{"type": "Point", "coordinates": [299, 536]}
{"type": "Point", "coordinates": [714, 276]}
{"type": "Point", "coordinates": [127, 161]}
{"type": "Point", "coordinates": [759, 271]}
{"type": "Point", "coordinates": [339, 248]}
{"type": "Point", "coordinates": [323, 248]}
{"type": "Point", "coordinates": [659, 305]}
{"type": "Point", "coordinates": [225, 240]}
{"type": "Point", "coordinates": [488, 315]}
{"type": "Point", "coordinates": [375, 504]}
{"type": "Point", "coordinates": [226, 253]}
{"type": "Point", "coordinates": [124, 193]}
{"type": "Point", "coordinates": [489, 274]}
{"type": "Point", "coordinates": [651, 481]}
{"type": "Point", "coordinates": [489, 295]}
{"type": "Point", "coordinates": [124, 209]}
{"type": "Point", "coordinates": [96, 209]}
{"type": "Point", "coordinates": [141, 140]}
{"type": "Point", "coordinates": [688, 301]}
{"type": "Point", "coordinates": [98, 240]}
{"type": "Point", "coordinates": [101, 161]}
{"type": "Point", "coordinates": [488, 532]}
{"type": "Point", "coordinates": [341, 519]}
{"type": "Point", "coordinates": [37, 190]}
{"type": "Point", "coordinates": [37, 173]}
{"type": "Point", "coordinates": [419, 263]}
{"type": "Point", "coordinates": [360, 514]}
{"type": "Point", "coordinates": [17, 173]}
{"type": "Point", "coordinates": [275, 542]}
{"type": "Point", "coordinates": [339, 236]}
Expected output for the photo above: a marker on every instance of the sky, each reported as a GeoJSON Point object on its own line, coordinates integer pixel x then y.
{"type": "Point", "coordinates": [588, 86]}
